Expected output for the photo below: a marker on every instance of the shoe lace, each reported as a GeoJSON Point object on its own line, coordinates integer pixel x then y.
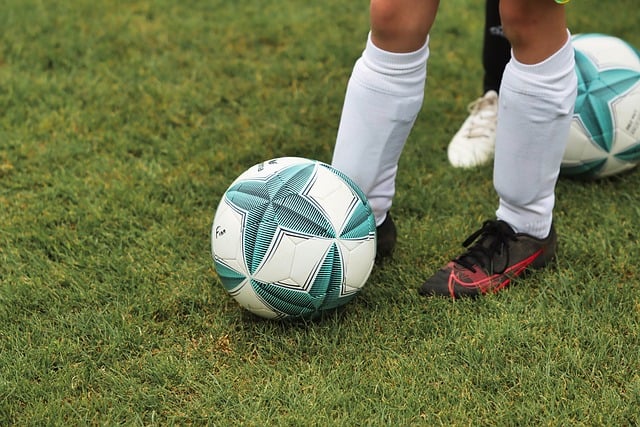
{"type": "Point", "coordinates": [491, 239]}
{"type": "Point", "coordinates": [482, 113]}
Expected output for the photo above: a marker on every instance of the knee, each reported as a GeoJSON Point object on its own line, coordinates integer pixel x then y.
{"type": "Point", "coordinates": [401, 26]}
{"type": "Point", "coordinates": [386, 17]}
{"type": "Point", "coordinates": [517, 21]}
{"type": "Point", "coordinates": [537, 28]}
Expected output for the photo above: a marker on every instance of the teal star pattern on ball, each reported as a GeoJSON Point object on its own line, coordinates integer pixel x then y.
{"type": "Point", "coordinates": [277, 201]}
{"type": "Point", "coordinates": [596, 90]}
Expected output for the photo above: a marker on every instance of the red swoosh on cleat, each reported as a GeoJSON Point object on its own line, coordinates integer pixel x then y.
{"type": "Point", "coordinates": [484, 283]}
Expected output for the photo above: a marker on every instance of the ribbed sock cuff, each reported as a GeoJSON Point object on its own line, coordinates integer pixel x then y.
{"type": "Point", "coordinates": [401, 74]}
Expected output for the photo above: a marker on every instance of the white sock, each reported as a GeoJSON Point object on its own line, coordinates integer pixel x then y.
{"type": "Point", "coordinates": [535, 109]}
{"type": "Point", "coordinates": [383, 98]}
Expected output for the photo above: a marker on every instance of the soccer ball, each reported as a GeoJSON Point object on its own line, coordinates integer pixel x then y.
{"type": "Point", "coordinates": [292, 238]}
{"type": "Point", "coordinates": [605, 132]}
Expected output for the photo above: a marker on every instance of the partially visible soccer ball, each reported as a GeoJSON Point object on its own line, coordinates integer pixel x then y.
{"type": "Point", "coordinates": [605, 133]}
{"type": "Point", "coordinates": [293, 237]}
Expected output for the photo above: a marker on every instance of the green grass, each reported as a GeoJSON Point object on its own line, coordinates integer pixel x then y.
{"type": "Point", "coordinates": [121, 125]}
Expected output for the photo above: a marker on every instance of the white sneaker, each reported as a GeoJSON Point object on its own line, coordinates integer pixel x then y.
{"type": "Point", "coordinates": [474, 144]}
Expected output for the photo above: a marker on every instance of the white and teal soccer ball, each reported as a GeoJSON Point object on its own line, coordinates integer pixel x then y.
{"type": "Point", "coordinates": [605, 133]}
{"type": "Point", "coordinates": [292, 238]}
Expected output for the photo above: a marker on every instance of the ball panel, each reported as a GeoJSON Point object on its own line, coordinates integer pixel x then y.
{"type": "Point", "coordinates": [292, 259]}
{"type": "Point", "coordinates": [231, 279]}
{"type": "Point", "coordinates": [257, 238]}
{"type": "Point", "coordinates": [607, 51]}
{"type": "Point", "coordinates": [334, 270]}
{"type": "Point", "coordinates": [584, 168]}
{"type": "Point", "coordinates": [360, 221]}
{"type": "Point", "coordinates": [614, 166]}
{"type": "Point", "coordinates": [347, 180]}
{"type": "Point", "coordinates": [300, 214]}
{"type": "Point", "coordinates": [286, 302]}
{"type": "Point", "coordinates": [308, 300]}
{"type": "Point", "coordinates": [333, 197]}
{"type": "Point", "coordinates": [247, 297]}
{"type": "Point", "coordinates": [361, 224]}
{"type": "Point", "coordinates": [631, 154]}
{"type": "Point", "coordinates": [359, 255]}
{"type": "Point", "coordinates": [626, 113]}
{"type": "Point", "coordinates": [329, 276]}
{"type": "Point", "coordinates": [226, 237]}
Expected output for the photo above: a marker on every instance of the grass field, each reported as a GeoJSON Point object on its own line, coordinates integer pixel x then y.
{"type": "Point", "coordinates": [121, 125]}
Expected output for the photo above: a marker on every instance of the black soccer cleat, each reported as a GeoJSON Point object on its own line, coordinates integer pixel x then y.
{"type": "Point", "coordinates": [498, 256]}
{"type": "Point", "coordinates": [386, 236]}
